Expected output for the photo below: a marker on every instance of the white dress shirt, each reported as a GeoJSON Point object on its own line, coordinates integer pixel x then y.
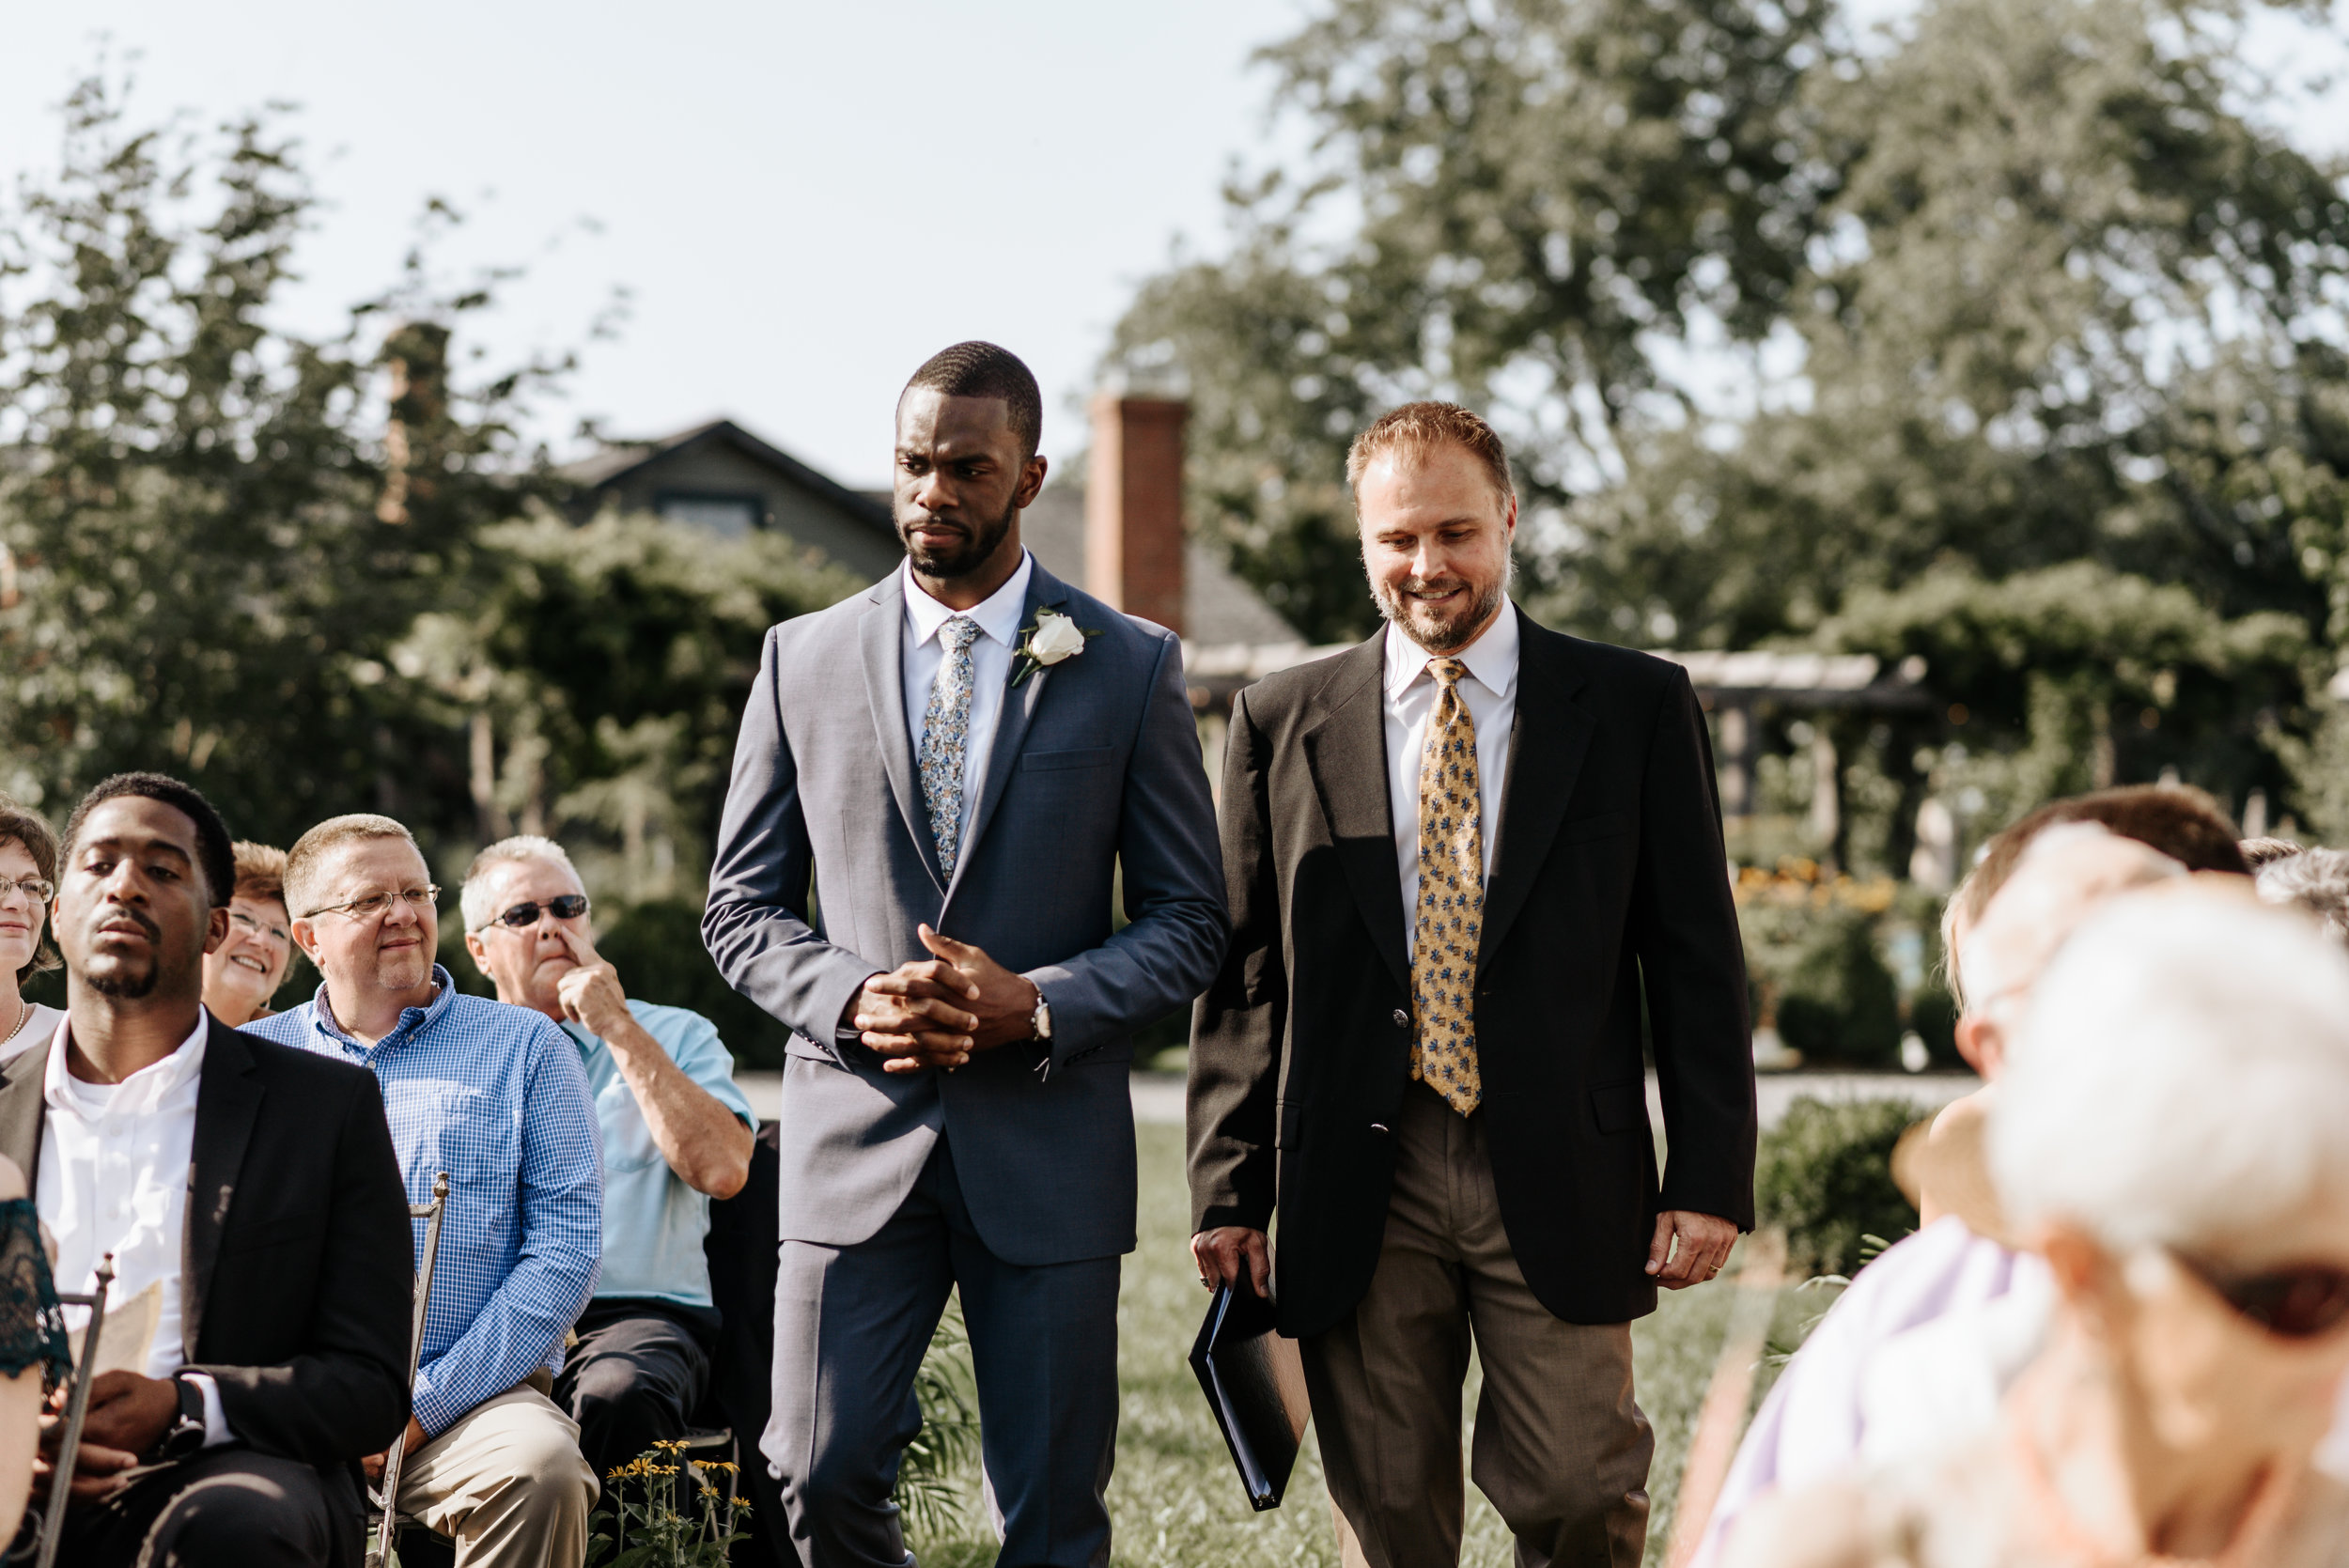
{"type": "Point", "coordinates": [1490, 691]}
{"type": "Point", "coordinates": [115, 1161]}
{"type": "Point", "coordinates": [998, 615]}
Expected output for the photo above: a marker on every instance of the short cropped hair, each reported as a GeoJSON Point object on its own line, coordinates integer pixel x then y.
{"type": "Point", "coordinates": [2182, 823]}
{"type": "Point", "coordinates": [2182, 1076]}
{"type": "Point", "coordinates": [20, 826]}
{"type": "Point", "coordinates": [1418, 428]}
{"type": "Point", "coordinates": [977, 369]}
{"type": "Point", "coordinates": [2315, 881]}
{"type": "Point", "coordinates": [307, 861]}
{"type": "Point", "coordinates": [213, 857]}
{"type": "Point", "coordinates": [475, 900]}
{"type": "Point", "coordinates": [260, 870]}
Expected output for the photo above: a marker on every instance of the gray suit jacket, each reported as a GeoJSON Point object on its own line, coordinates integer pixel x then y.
{"type": "Point", "coordinates": [1095, 768]}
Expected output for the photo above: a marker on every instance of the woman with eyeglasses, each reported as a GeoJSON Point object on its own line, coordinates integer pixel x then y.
{"type": "Point", "coordinates": [2172, 1138]}
{"type": "Point", "coordinates": [28, 879]}
{"type": "Point", "coordinates": [244, 970]}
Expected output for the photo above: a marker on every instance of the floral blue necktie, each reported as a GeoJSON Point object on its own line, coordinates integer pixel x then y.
{"type": "Point", "coordinates": [946, 739]}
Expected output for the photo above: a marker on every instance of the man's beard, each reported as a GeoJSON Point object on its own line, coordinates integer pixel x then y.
{"type": "Point", "coordinates": [124, 986]}
{"type": "Point", "coordinates": [946, 566]}
{"type": "Point", "coordinates": [1436, 635]}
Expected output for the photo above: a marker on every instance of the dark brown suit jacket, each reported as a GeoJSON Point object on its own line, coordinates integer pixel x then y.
{"type": "Point", "coordinates": [1609, 879]}
{"type": "Point", "coordinates": [298, 1271]}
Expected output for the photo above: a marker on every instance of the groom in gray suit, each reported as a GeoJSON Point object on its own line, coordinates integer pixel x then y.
{"type": "Point", "coordinates": [937, 786]}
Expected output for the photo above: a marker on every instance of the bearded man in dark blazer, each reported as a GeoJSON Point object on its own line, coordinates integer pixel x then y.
{"type": "Point", "coordinates": [1458, 856]}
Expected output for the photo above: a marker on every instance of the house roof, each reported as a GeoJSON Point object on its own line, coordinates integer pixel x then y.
{"type": "Point", "coordinates": [619, 458]}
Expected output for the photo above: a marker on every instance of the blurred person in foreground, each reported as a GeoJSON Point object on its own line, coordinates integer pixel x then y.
{"type": "Point", "coordinates": [1861, 1383]}
{"type": "Point", "coordinates": [28, 880]}
{"type": "Point", "coordinates": [676, 1133]}
{"type": "Point", "coordinates": [244, 970]}
{"type": "Point", "coordinates": [493, 1096]}
{"type": "Point", "coordinates": [251, 1203]}
{"type": "Point", "coordinates": [1458, 856]}
{"type": "Point", "coordinates": [2315, 882]}
{"type": "Point", "coordinates": [2171, 1138]}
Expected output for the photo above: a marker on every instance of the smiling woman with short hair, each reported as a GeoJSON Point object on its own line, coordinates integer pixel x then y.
{"type": "Point", "coordinates": [29, 876]}
{"type": "Point", "coordinates": [245, 969]}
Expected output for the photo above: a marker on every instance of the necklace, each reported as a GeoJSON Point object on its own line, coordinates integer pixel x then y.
{"type": "Point", "coordinates": [2253, 1534]}
{"type": "Point", "coordinates": [24, 1014]}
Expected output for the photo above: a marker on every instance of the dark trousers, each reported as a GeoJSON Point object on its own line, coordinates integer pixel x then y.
{"type": "Point", "coordinates": [741, 1248]}
{"type": "Point", "coordinates": [225, 1508]}
{"type": "Point", "coordinates": [634, 1377]}
{"type": "Point", "coordinates": [851, 1324]}
{"type": "Point", "coordinates": [1561, 1446]}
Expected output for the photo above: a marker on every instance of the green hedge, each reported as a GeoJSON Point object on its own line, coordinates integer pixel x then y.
{"type": "Point", "coordinates": [1823, 1174]}
{"type": "Point", "coordinates": [1840, 1004]}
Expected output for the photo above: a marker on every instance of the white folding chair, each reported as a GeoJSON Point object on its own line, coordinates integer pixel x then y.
{"type": "Point", "coordinates": [431, 1214]}
{"type": "Point", "coordinates": [76, 1407]}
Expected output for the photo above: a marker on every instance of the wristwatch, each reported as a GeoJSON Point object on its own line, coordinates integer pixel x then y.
{"type": "Point", "coordinates": [1040, 1022]}
{"type": "Point", "coordinates": [185, 1436]}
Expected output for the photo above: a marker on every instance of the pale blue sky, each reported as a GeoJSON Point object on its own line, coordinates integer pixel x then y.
{"type": "Point", "coordinates": [807, 200]}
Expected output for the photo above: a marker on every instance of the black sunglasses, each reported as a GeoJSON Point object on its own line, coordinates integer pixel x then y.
{"type": "Point", "coordinates": [2289, 1303]}
{"type": "Point", "coordinates": [569, 906]}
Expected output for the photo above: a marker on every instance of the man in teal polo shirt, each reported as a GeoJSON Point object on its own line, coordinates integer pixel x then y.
{"type": "Point", "coordinates": [676, 1133]}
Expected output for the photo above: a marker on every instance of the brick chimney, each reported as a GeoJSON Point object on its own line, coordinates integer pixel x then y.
{"type": "Point", "coordinates": [1134, 506]}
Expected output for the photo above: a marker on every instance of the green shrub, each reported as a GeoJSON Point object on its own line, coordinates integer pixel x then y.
{"type": "Point", "coordinates": [1823, 1174]}
{"type": "Point", "coordinates": [1933, 1013]}
{"type": "Point", "coordinates": [1840, 1004]}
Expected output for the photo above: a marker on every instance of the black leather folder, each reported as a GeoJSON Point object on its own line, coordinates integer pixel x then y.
{"type": "Point", "coordinates": [1256, 1385]}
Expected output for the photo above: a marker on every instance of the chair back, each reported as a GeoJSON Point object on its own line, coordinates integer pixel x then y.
{"type": "Point", "coordinates": [431, 1214]}
{"type": "Point", "coordinates": [76, 1407]}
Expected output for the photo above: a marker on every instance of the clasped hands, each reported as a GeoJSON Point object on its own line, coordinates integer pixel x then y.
{"type": "Point", "coordinates": [935, 1012]}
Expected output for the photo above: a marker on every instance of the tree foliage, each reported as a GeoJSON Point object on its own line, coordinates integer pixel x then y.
{"type": "Point", "coordinates": [321, 574]}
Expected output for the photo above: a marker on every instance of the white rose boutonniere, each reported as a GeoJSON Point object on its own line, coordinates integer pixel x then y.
{"type": "Point", "coordinates": [1052, 639]}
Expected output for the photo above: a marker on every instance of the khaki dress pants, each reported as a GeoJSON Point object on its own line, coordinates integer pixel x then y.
{"type": "Point", "coordinates": [507, 1483]}
{"type": "Point", "coordinates": [1561, 1448]}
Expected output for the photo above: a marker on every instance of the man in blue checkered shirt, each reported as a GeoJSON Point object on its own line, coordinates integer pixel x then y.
{"type": "Point", "coordinates": [493, 1096]}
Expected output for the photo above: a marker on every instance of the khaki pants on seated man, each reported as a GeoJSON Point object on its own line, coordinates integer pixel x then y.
{"type": "Point", "coordinates": [507, 1483]}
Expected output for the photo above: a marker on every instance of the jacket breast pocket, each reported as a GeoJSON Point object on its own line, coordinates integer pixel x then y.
{"type": "Point", "coordinates": [263, 1235]}
{"type": "Point", "coordinates": [1620, 1107]}
{"type": "Point", "coordinates": [1587, 829]}
{"type": "Point", "coordinates": [1083, 756]}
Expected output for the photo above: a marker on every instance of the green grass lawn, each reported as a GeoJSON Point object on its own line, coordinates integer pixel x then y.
{"type": "Point", "coordinates": [1175, 1499]}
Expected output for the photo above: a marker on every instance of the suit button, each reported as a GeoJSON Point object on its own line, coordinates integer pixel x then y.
{"type": "Point", "coordinates": [1402, 1020]}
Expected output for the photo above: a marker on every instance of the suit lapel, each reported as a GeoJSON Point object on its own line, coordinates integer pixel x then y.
{"type": "Point", "coordinates": [1546, 745]}
{"type": "Point", "coordinates": [1011, 728]}
{"type": "Point", "coordinates": [1347, 754]}
{"type": "Point", "coordinates": [880, 635]}
{"type": "Point", "coordinates": [227, 1103]}
{"type": "Point", "coordinates": [21, 1109]}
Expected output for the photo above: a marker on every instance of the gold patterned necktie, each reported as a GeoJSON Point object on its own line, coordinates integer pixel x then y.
{"type": "Point", "coordinates": [1451, 909]}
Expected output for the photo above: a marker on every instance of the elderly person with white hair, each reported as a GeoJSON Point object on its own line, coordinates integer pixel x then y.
{"type": "Point", "coordinates": [676, 1133]}
{"type": "Point", "coordinates": [2314, 881]}
{"type": "Point", "coordinates": [1920, 1344]}
{"type": "Point", "coordinates": [2173, 1138]}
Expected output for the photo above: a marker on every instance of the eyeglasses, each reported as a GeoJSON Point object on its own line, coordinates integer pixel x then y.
{"type": "Point", "coordinates": [261, 928]}
{"type": "Point", "coordinates": [2289, 1303]}
{"type": "Point", "coordinates": [569, 906]}
{"type": "Point", "coordinates": [31, 887]}
{"type": "Point", "coordinates": [376, 903]}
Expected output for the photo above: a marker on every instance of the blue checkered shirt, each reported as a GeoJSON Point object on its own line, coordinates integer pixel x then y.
{"type": "Point", "coordinates": [494, 1095]}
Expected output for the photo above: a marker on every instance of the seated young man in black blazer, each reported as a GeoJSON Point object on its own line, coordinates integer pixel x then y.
{"type": "Point", "coordinates": [251, 1187]}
